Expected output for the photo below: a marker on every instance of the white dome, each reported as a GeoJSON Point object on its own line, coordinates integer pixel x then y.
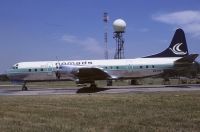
{"type": "Point", "coordinates": [119, 25]}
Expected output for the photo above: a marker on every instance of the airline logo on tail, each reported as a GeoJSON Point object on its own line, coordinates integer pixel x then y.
{"type": "Point", "coordinates": [176, 49]}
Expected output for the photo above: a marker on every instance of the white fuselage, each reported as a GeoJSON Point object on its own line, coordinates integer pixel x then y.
{"type": "Point", "coordinates": [122, 68]}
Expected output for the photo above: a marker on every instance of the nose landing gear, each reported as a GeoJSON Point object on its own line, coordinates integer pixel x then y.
{"type": "Point", "coordinates": [24, 87]}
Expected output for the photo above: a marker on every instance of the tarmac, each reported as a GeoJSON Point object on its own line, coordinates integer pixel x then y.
{"type": "Point", "coordinates": [12, 90]}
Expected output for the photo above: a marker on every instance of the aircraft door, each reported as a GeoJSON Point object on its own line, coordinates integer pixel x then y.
{"type": "Point", "coordinates": [49, 69]}
{"type": "Point", "coordinates": [130, 66]}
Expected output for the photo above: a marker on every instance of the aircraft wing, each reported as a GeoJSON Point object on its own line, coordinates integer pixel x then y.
{"type": "Point", "coordinates": [92, 73]}
{"type": "Point", "coordinates": [84, 72]}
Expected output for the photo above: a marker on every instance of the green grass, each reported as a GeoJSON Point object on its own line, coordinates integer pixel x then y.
{"type": "Point", "coordinates": [173, 111]}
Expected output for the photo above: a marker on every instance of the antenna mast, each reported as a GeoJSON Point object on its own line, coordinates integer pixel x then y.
{"type": "Point", "coordinates": [105, 19]}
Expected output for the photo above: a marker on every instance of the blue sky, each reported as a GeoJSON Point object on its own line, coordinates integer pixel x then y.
{"type": "Point", "coordinates": [32, 30]}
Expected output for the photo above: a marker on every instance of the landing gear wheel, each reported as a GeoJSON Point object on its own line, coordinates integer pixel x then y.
{"type": "Point", "coordinates": [93, 85]}
{"type": "Point", "coordinates": [24, 88]}
{"type": "Point", "coordinates": [134, 82]}
{"type": "Point", "coordinates": [166, 81]}
{"type": "Point", "coordinates": [109, 83]}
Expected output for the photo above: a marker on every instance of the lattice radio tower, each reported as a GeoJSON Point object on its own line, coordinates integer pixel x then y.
{"type": "Point", "coordinates": [105, 19]}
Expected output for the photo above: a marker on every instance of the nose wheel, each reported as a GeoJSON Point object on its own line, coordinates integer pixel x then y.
{"type": "Point", "coordinates": [24, 87]}
{"type": "Point", "coordinates": [58, 75]}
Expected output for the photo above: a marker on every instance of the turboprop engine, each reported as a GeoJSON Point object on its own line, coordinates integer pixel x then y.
{"type": "Point", "coordinates": [66, 71]}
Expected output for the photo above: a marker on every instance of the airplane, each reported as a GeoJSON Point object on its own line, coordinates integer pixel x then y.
{"type": "Point", "coordinates": [175, 58]}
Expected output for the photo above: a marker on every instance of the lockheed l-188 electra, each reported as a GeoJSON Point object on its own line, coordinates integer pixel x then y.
{"type": "Point", "coordinates": [175, 58]}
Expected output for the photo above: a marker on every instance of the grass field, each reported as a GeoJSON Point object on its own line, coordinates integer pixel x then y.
{"type": "Point", "coordinates": [172, 111]}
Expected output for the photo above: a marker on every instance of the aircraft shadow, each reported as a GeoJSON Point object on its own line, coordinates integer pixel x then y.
{"type": "Point", "coordinates": [91, 90]}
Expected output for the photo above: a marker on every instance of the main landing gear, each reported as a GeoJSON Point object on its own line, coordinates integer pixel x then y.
{"type": "Point", "coordinates": [93, 85]}
{"type": "Point", "coordinates": [24, 87]}
{"type": "Point", "coordinates": [109, 82]}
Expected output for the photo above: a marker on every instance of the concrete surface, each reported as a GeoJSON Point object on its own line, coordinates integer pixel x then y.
{"type": "Point", "coordinates": [34, 90]}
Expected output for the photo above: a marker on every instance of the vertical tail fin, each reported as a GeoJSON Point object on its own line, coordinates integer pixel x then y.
{"type": "Point", "coordinates": [177, 48]}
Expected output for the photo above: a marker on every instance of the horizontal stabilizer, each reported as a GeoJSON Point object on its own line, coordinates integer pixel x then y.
{"type": "Point", "coordinates": [187, 59]}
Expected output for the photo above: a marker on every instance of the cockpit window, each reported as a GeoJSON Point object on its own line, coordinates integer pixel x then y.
{"type": "Point", "coordinates": [15, 66]}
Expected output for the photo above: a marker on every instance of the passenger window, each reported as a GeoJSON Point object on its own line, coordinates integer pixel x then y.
{"type": "Point", "coordinates": [41, 69]}
{"type": "Point", "coordinates": [29, 70]}
{"type": "Point", "coordinates": [147, 66]}
{"type": "Point", "coordinates": [117, 67]}
{"type": "Point", "coordinates": [140, 67]}
{"type": "Point", "coordinates": [35, 69]}
{"type": "Point", "coordinates": [153, 66]}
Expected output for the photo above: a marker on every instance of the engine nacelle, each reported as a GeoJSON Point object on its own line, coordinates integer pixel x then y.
{"type": "Point", "coordinates": [68, 69]}
{"type": "Point", "coordinates": [66, 72]}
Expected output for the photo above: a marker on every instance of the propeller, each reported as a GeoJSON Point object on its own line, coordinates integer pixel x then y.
{"type": "Point", "coordinates": [57, 71]}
